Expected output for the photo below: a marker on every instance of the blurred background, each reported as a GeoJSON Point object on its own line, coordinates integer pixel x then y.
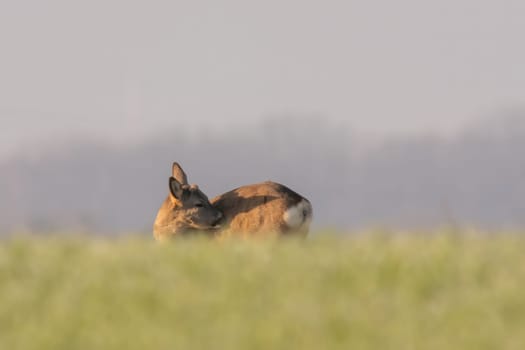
{"type": "Point", "coordinates": [400, 114]}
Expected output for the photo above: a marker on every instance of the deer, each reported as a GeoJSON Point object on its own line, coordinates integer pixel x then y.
{"type": "Point", "coordinates": [257, 210]}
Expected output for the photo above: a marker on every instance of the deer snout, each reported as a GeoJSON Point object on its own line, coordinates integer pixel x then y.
{"type": "Point", "coordinates": [218, 218]}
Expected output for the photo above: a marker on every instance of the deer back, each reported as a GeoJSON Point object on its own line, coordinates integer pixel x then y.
{"type": "Point", "coordinates": [262, 209]}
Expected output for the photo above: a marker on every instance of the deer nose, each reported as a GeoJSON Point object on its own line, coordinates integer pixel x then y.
{"type": "Point", "coordinates": [219, 217]}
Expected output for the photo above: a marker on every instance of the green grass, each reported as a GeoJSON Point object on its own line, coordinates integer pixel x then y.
{"type": "Point", "coordinates": [365, 292]}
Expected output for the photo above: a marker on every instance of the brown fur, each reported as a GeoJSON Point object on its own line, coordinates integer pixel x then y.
{"type": "Point", "coordinates": [258, 210]}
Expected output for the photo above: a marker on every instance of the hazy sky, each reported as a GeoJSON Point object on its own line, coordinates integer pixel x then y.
{"type": "Point", "coordinates": [125, 69]}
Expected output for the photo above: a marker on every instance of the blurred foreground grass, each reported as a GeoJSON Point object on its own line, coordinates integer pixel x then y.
{"type": "Point", "coordinates": [363, 292]}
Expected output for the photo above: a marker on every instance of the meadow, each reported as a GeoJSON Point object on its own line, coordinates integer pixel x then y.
{"type": "Point", "coordinates": [366, 291]}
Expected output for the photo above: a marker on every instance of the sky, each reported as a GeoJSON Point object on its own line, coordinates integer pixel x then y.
{"type": "Point", "coordinates": [125, 70]}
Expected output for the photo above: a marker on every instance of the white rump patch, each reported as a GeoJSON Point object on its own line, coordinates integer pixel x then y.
{"type": "Point", "coordinates": [298, 215]}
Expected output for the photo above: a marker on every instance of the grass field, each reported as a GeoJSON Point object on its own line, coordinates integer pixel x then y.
{"type": "Point", "coordinates": [368, 291]}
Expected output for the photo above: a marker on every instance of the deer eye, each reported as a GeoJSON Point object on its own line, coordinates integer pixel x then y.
{"type": "Point", "coordinates": [199, 205]}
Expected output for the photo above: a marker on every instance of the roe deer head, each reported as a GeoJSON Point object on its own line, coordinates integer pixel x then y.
{"type": "Point", "coordinates": [186, 209]}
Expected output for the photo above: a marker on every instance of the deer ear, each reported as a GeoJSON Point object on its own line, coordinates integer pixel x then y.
{"type": "Point", "coordinates": [179, 174]}
{"type": "Point", "coordinates": [175, 188]}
